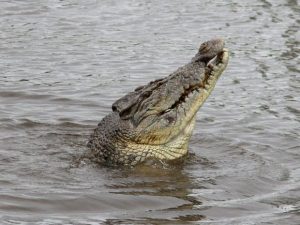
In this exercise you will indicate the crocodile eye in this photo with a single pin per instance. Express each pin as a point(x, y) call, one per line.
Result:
point(170, 119)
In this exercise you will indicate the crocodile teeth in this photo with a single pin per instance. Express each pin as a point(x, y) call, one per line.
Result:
point(212, 60)
point(168, 110)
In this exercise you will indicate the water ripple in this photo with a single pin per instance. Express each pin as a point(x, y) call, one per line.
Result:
point(63, 63)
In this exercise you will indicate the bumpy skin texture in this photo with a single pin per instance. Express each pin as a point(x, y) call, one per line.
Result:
point(156, 121)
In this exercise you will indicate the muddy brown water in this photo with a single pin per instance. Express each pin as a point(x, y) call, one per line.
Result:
point(63, 63)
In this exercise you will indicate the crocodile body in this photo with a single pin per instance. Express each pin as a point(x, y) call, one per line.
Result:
point(155, 121)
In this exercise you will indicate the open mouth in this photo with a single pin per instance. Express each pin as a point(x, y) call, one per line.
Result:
point(213, 70)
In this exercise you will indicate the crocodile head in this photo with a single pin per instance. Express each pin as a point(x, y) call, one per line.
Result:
point(160, 116)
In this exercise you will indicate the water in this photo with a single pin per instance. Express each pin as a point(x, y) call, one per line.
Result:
point(63, 63)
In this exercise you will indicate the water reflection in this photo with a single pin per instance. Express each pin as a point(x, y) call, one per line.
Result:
point(158, 181)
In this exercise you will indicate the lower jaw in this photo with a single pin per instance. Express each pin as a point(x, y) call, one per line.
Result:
point(179, 144)
point(175, 148)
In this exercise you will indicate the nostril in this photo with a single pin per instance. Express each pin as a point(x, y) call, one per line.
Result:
point(114, 108)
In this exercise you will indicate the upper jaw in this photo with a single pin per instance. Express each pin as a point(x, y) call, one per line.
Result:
point(214, 67)
point(142, 111)
point(208, 50)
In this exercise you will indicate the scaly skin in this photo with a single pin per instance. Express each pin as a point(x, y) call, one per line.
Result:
point(156, 121)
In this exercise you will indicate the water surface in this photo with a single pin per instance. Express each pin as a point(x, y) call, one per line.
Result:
point(63, 63)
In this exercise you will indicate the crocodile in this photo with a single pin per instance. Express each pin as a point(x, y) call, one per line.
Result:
point(156, 121)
